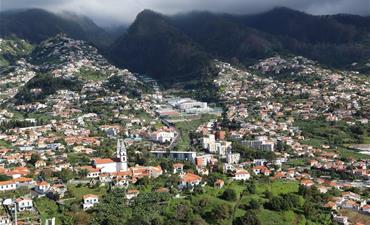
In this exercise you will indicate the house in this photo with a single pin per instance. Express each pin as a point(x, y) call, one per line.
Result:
point(219, 184)
point(352, 196)
point(261, 170)
point(189, 180)
point(241, 174)
point(323, 189)
point(9, 185)
point(307, 183)
point(350, 204)
point(341, 219)
point(24, 182)
point(178, 168)
point(91, 171)
point(132, 193)
point(366, 208)
point(89, 201)
point(120, 182)
point(42, 187)
point(24, 204)
point(330, 205)
point(18, 172)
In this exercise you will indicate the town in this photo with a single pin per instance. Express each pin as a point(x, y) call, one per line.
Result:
point(78, 133)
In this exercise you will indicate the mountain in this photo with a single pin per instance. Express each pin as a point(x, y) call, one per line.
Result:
point(337, 41)
point(36, 25)
point(304, 27)
point(224, 38)
point(152, 45)
point(175, 48)
point(116, 31)
point(180, 48)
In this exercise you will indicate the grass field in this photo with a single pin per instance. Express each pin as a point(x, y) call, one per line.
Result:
point(79, 191)
point(186, 127)
point(269, 217)
point(278, 187)
point(48, 209)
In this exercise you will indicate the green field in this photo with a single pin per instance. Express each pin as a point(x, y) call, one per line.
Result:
point(48, 209)
point(79, 191)
point(188, 126)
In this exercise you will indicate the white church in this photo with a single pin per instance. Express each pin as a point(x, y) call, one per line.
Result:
point(117, 164)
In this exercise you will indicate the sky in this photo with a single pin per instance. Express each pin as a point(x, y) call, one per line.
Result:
point(115, 12)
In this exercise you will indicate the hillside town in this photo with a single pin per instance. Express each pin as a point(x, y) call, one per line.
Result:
point(74, 128)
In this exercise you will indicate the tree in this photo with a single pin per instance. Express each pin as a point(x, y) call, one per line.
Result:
point(249, 218)
point(309, 209)
point(4, 177)
point(222, 212)
point(34, 158)
point(251, 188)
point(83, 173)
point(46, 173)
point(254, 204)
point(66, 175)
point(112, 210)
point(229, 195)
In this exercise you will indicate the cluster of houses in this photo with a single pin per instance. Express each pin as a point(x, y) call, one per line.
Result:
point(265, 122)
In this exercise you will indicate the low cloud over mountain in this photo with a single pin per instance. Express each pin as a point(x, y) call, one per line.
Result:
point(109, 12)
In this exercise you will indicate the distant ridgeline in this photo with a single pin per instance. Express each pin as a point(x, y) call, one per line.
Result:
point(180, 48)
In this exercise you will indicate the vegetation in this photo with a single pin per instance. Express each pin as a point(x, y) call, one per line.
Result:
point(233, 204)
point(11, 49)
point(48, 84)
point(172, 57)
point(36, 25)
point(336, 134)
point(186, 129)
point(89, 74)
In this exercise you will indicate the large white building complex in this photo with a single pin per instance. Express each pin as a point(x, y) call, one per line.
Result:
point(189, 105)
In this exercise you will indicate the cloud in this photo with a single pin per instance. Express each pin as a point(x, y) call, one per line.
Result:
point(124, 11)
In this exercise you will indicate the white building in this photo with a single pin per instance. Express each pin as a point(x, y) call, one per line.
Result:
point(241, 174)
point(176, 155)
point(118, 164)
point(24, 204)
point(232, 158)
point(42, 187)
point(89, 201)
point(8, 185)
point(162, 136)
point(260, 143)
point(189, 180)
point(216, 147)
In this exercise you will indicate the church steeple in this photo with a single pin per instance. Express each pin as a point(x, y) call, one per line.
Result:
point(121, 151)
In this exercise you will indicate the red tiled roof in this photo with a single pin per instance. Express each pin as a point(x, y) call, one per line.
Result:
point(190, 177)
point(103, 161)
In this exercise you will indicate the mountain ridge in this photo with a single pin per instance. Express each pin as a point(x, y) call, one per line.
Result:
point(36, 25)
point(180, 47)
